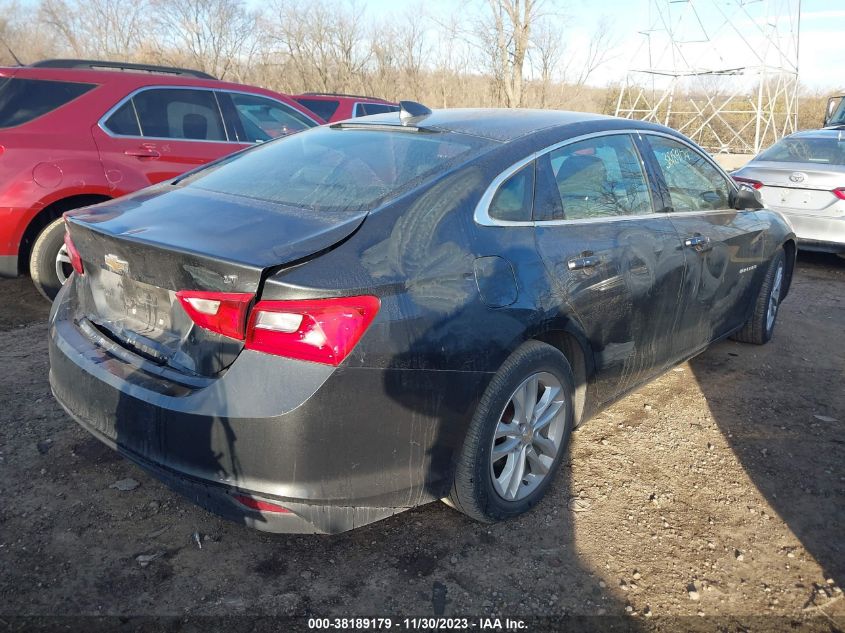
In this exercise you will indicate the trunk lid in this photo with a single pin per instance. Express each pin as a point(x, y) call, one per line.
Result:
point(798, 186)
point(138, 251)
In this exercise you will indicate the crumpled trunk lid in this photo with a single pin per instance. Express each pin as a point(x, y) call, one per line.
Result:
point(138, 251)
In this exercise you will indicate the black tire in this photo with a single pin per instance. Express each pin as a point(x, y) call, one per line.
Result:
point(473, 491)
point(42, 259)
point(758, 329)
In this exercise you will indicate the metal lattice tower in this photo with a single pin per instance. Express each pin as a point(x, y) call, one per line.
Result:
point(723, 72)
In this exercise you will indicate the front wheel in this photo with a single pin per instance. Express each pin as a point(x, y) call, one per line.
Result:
point(759, 328)
point(49, 263)
point(518, 436)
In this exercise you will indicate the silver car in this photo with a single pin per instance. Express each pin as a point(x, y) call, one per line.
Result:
point(803, 177)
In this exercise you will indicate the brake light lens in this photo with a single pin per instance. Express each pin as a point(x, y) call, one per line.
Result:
point(261, 506)
point(756, 184)
point(221, 312)
point(75, 257)
point(839, 193)
point(318, 330)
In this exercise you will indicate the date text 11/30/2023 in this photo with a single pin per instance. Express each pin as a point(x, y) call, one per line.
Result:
point(415, 624)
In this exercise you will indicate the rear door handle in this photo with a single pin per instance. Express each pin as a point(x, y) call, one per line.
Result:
point(698, 242)
point(581, 263)
point(143, 152)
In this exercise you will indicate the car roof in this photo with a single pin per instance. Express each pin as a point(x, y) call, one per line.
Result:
point(129, 81)
point(122, 77)
point(501, 124)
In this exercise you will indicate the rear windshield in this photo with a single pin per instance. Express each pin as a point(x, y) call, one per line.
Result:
point(22, 100)
point(824, 151)
point(334, 169)
point(324, 108)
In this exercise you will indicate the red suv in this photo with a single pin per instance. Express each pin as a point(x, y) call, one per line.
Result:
point(333, 107)
point(77, 132)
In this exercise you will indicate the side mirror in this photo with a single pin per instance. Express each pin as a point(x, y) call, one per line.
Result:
point(746, 198)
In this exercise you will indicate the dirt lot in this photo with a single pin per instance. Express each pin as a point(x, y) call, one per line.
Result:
point(718, 490)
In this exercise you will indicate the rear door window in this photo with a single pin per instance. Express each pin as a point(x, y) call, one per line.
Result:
point(22, 100)
point(514, 199)
point(124, 121)
point(694, 183)
point(262, 119)
point(192, 115)
point(323, 108)
point(364, 109)
point(600, 177)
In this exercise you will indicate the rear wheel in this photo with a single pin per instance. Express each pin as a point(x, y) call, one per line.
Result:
point(517, 437)
point(759, 328)
point(49, 263)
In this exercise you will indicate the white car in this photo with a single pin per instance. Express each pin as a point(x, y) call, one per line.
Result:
point(803, 177)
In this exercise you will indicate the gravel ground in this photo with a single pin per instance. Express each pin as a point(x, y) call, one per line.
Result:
point(716, 490)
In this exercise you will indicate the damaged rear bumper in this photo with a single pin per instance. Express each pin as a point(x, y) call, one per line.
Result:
point(302, 518)
point(337, 447)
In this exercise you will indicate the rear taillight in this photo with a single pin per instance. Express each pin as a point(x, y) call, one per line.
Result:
point(75, 258)
point(221, 312)
point(261, 506)
point(756, 184)
point(839, 193)
point(318, 330)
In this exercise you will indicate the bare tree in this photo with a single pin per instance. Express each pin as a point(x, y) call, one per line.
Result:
point(505, 34)
point(324, 42)
point(598, 51)
point(577, 67)
point(514, 54)
point(385, 74)
point(548, 48)
point(414, 50)
point(301, 38)
point(452, 62)
point(9, 33)
point(216, 36)
point(350, 50)
point(98, 28)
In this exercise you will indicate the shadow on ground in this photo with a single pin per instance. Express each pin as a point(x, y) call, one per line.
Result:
point(787, 430)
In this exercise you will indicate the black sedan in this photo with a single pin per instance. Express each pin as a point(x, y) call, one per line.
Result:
point(339, 325)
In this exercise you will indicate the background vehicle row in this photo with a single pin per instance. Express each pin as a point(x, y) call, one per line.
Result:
point(77, 132)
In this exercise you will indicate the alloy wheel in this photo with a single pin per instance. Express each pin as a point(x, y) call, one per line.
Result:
point(63, 266)
point(528, 436)
point(774, 299)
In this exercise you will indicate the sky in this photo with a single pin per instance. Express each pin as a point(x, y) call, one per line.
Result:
point(821, 33)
